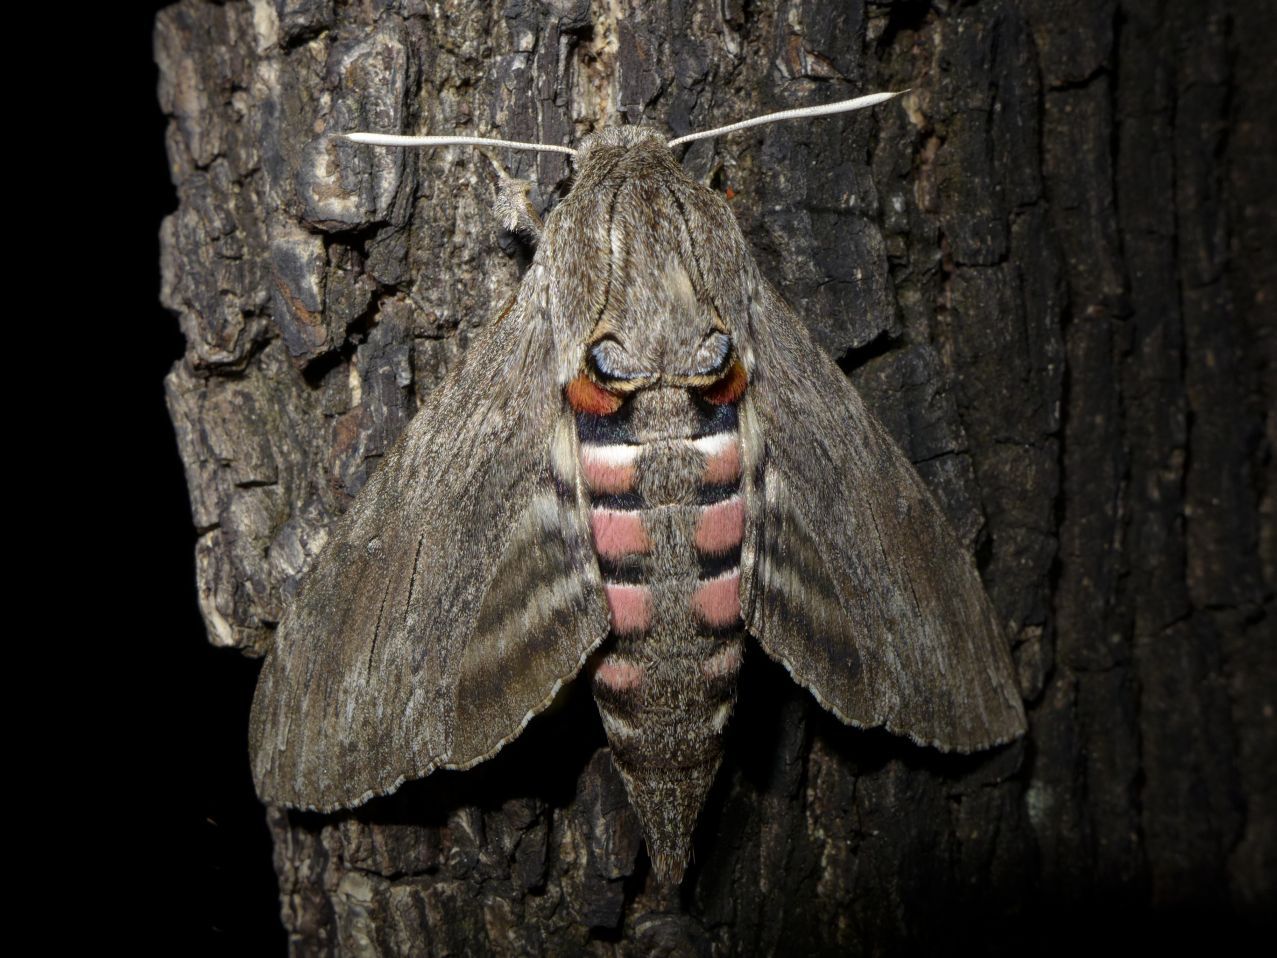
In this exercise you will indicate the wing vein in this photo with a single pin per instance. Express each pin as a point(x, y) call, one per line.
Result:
point(412, 581)
point(376, 632)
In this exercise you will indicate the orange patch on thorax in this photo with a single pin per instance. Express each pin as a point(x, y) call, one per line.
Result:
point(730, 388)
point(585, 395)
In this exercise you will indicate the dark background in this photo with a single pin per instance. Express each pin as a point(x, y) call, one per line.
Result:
point(207, 867)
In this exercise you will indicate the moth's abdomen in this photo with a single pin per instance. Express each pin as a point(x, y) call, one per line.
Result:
point(662, 470)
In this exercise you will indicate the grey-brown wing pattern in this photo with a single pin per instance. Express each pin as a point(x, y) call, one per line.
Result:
point(854, 579)
point(451, 601)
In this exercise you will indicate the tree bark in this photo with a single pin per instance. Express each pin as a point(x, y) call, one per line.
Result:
point(1047, 269)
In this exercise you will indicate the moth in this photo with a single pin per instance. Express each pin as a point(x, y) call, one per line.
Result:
point(643, 460)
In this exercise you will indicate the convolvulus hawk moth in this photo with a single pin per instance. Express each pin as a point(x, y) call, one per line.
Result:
point(644, 458)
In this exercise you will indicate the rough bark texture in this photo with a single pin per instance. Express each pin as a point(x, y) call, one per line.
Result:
point(1048, 272)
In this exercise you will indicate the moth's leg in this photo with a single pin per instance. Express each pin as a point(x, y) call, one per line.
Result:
point(514, 208)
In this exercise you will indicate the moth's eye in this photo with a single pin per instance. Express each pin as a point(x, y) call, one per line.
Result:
point(609, 362)
point(711, 356)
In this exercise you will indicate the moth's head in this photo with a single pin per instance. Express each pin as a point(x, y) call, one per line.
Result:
point(640, 147)
point(648, 272)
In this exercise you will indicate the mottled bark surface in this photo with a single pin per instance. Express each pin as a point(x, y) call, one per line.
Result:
point(1047, 269)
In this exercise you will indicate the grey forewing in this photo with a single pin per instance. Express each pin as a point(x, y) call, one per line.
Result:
point(859, 585)
point(410, 603)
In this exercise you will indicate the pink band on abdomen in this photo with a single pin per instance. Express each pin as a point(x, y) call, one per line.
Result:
point(724, 468)
point(722, 459)
point(608, 470)
point(631, 607)
point(724, 663)
point(717, 602)
point(618, 534)
point(619, 674)
point(721, 527)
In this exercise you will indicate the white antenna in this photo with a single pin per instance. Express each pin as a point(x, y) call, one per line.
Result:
point(842, 106)
point(386, 139)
